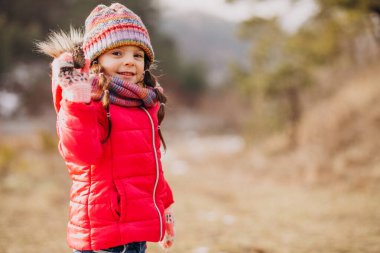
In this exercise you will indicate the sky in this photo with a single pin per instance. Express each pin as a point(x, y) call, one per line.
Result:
point(291, 15)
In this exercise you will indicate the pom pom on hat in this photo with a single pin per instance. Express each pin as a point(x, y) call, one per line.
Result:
point(114, 26)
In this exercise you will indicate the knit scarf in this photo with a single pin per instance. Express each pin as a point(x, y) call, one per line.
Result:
point(126, 94)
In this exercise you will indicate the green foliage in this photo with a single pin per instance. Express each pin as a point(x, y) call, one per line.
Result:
point(20, 26)
point(266, 54)
point(259, 27)
point(194, 82)
point(283, 64)
point(315, 45)
point(287, 77)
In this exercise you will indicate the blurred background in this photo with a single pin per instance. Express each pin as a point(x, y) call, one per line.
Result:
point(272, 124)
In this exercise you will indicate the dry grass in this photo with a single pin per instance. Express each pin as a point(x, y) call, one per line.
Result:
point(222, 204)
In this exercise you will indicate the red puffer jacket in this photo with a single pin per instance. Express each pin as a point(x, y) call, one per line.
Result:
point(119, 192)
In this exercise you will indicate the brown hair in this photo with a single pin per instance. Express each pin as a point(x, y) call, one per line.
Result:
point(149, 80)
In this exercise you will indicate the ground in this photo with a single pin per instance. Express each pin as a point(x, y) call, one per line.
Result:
point(224, 204)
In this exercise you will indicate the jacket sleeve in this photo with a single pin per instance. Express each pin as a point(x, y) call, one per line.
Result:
point(80, 131)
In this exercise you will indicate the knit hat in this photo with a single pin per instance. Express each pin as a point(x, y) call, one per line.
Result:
point(112, 27)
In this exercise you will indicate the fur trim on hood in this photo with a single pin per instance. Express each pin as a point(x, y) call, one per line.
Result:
point(60, 42)
point(57, 44)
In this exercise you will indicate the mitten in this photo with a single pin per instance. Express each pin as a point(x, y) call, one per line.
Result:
point(75, 83)
point(168, 240)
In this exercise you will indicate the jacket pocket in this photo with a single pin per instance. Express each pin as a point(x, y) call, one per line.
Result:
point(115, 206)
point(120, 207)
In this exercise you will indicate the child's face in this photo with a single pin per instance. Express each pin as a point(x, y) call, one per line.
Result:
point(126, 62)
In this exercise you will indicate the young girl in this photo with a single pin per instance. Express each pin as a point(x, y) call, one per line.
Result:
point(109, 109)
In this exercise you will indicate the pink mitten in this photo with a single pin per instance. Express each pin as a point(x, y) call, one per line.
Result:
point(75, 83)
point(168, 240)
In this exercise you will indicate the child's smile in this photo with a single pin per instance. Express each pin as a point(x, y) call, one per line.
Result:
point(126, 62)
point(127, 73)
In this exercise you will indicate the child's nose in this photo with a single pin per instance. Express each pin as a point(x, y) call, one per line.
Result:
point(128, 60)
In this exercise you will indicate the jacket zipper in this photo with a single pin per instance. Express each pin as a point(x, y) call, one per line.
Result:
point(157, 170)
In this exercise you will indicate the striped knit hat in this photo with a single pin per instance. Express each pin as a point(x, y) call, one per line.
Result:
point(114, 26)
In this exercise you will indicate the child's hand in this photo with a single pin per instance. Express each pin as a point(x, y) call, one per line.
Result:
point(75, 83)
point(168, 240)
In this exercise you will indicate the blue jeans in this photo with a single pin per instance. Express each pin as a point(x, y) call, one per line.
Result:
point(133, 247)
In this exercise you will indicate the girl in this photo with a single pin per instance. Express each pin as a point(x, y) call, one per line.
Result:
point(109, 109)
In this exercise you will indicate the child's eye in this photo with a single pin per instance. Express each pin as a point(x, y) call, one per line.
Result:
point(139, 55)
point(116, 53)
